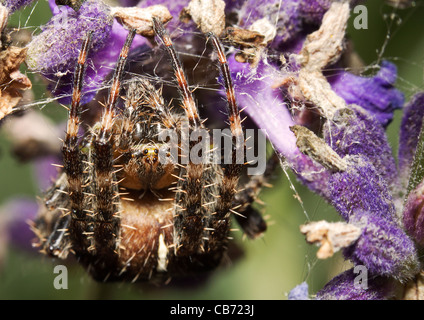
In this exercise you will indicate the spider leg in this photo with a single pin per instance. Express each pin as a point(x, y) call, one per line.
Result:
point(106, 192)
point(73, 161)
point(189, 221)
point(249, 219)
point(188, 103)
point(53, 221)
point(228, 186)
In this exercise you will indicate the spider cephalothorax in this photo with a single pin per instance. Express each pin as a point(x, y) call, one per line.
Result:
point(129, 208)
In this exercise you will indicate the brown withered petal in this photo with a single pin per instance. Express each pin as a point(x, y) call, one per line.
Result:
point(209, 15)
point(321, 48)
point(330, 236)
point(141, 18)
point(11, 79)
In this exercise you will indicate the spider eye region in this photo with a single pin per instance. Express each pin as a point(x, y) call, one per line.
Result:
point(147, 169)
point(150, 154)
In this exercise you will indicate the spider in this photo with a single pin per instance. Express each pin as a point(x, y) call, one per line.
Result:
point(122, 207)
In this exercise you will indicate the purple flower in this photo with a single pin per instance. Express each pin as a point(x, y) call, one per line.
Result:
point(383, 248)
point(255, 91)
point(375, 94)
point(366, 197)
point(346, 286)
point(285, 13)
point(290, 18)
point(361, 196)
point(265, 105)
point(128, 3)
point(314, 10)
point(299, 292)
point(55, 49)
point(54, 52)
point(360, 188)
point(356, 131)
point(13, 5)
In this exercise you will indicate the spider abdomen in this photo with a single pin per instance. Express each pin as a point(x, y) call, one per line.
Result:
point(147, 250)
point(146, 237)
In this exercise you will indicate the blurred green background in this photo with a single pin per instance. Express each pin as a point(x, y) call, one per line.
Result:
point(271, 266)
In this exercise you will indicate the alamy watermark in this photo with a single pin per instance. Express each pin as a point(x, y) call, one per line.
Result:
point(360, 20)
point(361, 280)
point(60, 282)
point(217, 146)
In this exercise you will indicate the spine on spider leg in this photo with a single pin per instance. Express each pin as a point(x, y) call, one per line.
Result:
point(107, 221)
point(73, 159)
point(229, 184)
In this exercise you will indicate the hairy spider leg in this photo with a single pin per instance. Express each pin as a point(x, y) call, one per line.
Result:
point(191, 196)
point(57, 244)
point(73, 161)
point(106, 190)
point(188, 103)
point(248, 218)
point(228, 186)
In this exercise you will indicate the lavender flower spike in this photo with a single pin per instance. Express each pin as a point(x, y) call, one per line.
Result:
point(383, 247)
point(13, 5)
point(350, 285)
point(264, 103)
point(361, 196)
point(355, 131)
point(54, 51)
point(64, 33)
point(314, 10)
point(283, 15)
